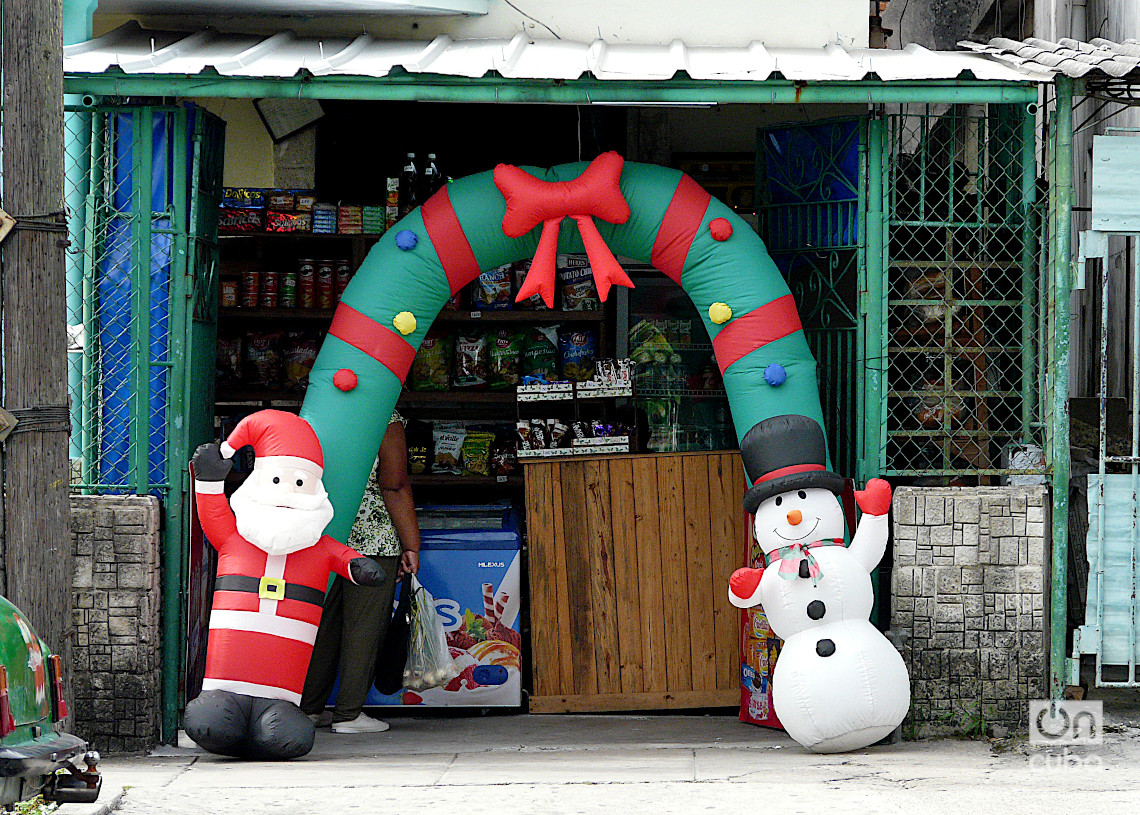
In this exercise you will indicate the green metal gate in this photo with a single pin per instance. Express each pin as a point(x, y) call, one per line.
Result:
point(144, 183)
point(957, 310)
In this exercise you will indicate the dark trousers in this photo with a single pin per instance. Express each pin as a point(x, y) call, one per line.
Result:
point(352, 625)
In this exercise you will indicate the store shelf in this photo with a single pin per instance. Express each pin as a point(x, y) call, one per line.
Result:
point(257, 393)
point(435, 397)
point(450, 480)
point(260, 313)
point(278, 236)
point(716, 393)
point(541, 316)
point(566, 391)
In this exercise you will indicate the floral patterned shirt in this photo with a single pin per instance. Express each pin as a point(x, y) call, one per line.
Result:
point(373, 532)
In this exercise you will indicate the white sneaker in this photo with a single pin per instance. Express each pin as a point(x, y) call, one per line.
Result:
point(322, 719)
point(361, 724)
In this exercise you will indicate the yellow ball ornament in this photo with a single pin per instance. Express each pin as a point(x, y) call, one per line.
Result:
point(720, 313)
point(405, 322)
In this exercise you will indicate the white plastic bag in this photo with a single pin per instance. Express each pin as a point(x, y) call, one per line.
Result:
point(429, 662)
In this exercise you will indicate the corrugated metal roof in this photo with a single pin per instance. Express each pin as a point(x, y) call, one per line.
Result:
point(1098, 57)
point(134, 49)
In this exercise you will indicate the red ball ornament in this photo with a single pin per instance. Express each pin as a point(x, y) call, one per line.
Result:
point(345, 379)
point(721, 229)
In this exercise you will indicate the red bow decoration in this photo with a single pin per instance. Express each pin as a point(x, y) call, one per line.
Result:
point(593, 194)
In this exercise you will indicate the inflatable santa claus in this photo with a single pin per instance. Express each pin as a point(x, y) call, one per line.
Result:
point(273, 568)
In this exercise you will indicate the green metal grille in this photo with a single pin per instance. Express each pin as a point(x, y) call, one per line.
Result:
point(809, 182)
point(960, 326)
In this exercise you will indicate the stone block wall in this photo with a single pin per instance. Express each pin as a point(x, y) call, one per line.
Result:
point(116, 676)
point(969, 589)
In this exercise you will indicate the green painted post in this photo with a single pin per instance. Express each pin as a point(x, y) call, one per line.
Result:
point(77, 28)
point(874, 331)
point(861, 305)
point(1062, 284)
point(176, 423)
point(143, 121)
point(1028, 277)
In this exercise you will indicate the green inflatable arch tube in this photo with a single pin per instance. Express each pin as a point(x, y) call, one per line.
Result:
point(675, 225)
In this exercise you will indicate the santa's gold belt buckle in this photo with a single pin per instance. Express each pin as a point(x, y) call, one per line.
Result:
point(271, 588)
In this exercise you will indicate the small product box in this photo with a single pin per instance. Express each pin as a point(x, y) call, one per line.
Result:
point(240, 220)
point(243, 197)
point(290, 221)
point(349, 220)
point(324, 219)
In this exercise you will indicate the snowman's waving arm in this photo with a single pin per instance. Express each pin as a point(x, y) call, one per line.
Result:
point(870, 540)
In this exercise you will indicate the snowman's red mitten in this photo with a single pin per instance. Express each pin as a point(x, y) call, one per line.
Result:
point(875, 498)
point(743, 582)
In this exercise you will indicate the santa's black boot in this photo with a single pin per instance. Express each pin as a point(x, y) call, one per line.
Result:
point(218, 721)
point(278, 730)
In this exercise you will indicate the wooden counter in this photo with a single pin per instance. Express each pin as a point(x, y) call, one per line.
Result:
point(630, 557)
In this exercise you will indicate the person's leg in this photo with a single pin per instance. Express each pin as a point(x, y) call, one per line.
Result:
point(326, 651)
point(367, 610)
point(218, 721)
point(278, 731)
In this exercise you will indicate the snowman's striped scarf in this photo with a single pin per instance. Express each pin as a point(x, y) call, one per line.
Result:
point(790, 557)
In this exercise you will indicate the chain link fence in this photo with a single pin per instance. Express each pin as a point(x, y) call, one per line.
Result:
point(128, 176)
point(962, 293)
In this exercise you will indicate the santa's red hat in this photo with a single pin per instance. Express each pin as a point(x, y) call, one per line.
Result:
point(279, 439)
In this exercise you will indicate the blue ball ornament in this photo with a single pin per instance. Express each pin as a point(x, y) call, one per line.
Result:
point(775, 375)
point(406, 239)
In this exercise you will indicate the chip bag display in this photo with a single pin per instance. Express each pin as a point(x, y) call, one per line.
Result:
point(300, 352)
point(448, 449)
point(492, 290)
point(477, 452)
point(471, 361)
point(577, 350)
point(505, 351)
point(431, 369)
point(576, 279)
point(540, 352)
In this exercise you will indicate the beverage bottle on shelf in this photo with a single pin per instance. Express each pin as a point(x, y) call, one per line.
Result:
point(676, 381)
point(409, 194)
point(432, 179)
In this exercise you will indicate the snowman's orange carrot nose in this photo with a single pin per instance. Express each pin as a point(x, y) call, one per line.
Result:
point(795, 516)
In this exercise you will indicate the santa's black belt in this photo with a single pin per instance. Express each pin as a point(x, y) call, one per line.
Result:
point(270, 588)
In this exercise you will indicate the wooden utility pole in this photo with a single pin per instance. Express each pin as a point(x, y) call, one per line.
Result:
point(37, 555)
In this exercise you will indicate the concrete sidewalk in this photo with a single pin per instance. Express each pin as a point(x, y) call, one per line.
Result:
point(588, 764)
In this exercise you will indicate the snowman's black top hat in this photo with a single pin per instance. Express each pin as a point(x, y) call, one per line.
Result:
point(785, 453)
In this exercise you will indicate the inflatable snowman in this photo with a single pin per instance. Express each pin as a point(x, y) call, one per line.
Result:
point(838, 684)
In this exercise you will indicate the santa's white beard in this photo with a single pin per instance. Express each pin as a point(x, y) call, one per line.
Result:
point(280, 530)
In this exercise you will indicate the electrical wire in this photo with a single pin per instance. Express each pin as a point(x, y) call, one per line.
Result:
point(533, 19)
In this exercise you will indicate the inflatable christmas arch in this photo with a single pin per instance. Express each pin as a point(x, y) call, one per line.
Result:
point(650, 213)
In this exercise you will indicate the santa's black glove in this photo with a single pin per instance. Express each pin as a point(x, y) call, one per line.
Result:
point(209, 464)
point(365, 571)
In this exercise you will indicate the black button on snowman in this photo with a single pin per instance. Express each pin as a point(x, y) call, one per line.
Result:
point(838, 683)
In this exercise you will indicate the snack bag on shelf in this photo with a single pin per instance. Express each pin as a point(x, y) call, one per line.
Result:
point(577, 350)
point(505, 355)
point(300, 352)
point(430, 664)
point(448, 448)
point(471, 361)
point(420, 446)
point(492, 290)
point(431, 369)
point(263, 358)
point(477, 453)
point(540, 352)
point(576, 280)
point(229, 359)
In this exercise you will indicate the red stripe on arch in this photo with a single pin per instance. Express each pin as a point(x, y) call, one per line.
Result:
point(757, 328)
point(678, 228)
point(382, 344)
point(451, 244)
